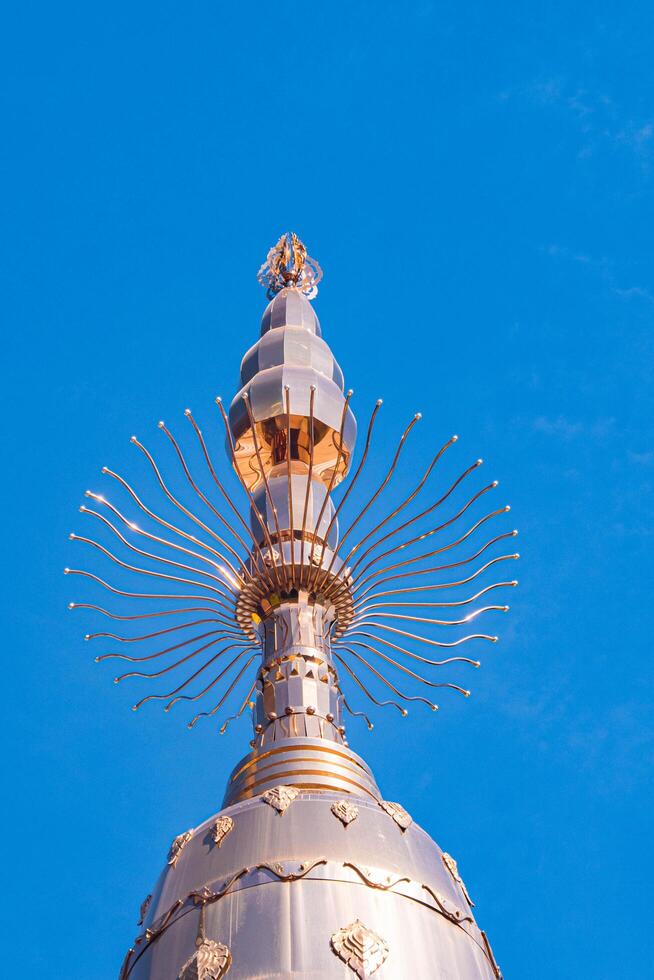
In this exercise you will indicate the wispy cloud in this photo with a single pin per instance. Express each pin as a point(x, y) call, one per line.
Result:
point(567, 429)
point(599, 118)
point(602, 267)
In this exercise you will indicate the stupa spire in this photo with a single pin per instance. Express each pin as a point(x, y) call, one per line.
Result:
point(299, 607)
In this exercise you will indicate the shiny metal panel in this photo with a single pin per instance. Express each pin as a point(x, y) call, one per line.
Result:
point(272, 869)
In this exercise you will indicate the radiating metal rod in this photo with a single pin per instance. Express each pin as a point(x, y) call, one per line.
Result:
point(246, 400)
point(146, 571)
point(150, 636)
point(408, 653)
point(378, 491)
point(432, 605)
point(160, 520)
point(250, 496)
point(216, 480)
point(418, 677)
point(287, 400)
point(219, 634)
point(312, 439)
point(358, 620)
point(218, 677)
point(146, 595)
point(441, 585)
point(429, 554)
point(154, 557)
point(202, 496)
point(225, 695)
point(397, 510)
point(312, 578)
point(355, 714)
point(437, 568)
point(176, 503)
point(384, 680)
point(246, 701)
point(151, 615)
point(420, 537)
point(373, 624)
point(381, 704)
point(162, 697)
point(155, 537)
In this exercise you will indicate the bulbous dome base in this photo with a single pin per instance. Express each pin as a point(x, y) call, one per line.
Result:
point(312, 884)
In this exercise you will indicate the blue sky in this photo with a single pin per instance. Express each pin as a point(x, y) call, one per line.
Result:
point(477, 184)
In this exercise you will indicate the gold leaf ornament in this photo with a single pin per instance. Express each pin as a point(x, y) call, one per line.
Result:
point(360, 948)
point(280, 798)
point(346, 812)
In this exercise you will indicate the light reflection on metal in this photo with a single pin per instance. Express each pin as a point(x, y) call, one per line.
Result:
point(252, 561)
point(360, 948)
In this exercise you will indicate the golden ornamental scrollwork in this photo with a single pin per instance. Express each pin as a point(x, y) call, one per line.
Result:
point(451, 866)
point(360, 948)
point(292, 871)
point(284, 873)
point(220, 829)
point(398, 813)
point(345, 811)
point(178, 846)
point(280, 798)
point(288, 264)
point(375, 879)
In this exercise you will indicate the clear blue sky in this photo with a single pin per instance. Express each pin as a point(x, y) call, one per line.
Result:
point(477, 184)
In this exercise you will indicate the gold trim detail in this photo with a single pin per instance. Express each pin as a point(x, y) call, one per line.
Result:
point(398, 813)
point(346, 812)
point(291, 871)
point(385, 883)
point(451, 866)
point(360, 948)
point(220, 829)
point(280, 798)
point(301, 748)
point(178, 846)
point(210, 961)
point(143, 910)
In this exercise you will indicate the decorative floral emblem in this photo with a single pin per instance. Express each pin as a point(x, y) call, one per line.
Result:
point(210, 961)
point(398, 813)
point(280, 798)
point(451, 866)
point(178, 846)
point(287, 264)
point(143, 911)
point(346, 812)
point(361, 948)
point(221, 828)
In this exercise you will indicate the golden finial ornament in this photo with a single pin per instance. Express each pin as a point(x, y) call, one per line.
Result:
point(289, 264)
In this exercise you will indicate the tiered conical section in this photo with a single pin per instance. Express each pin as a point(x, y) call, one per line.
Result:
point(307, 872)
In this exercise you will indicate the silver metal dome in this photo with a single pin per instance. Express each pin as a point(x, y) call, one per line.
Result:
point(312, 884)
